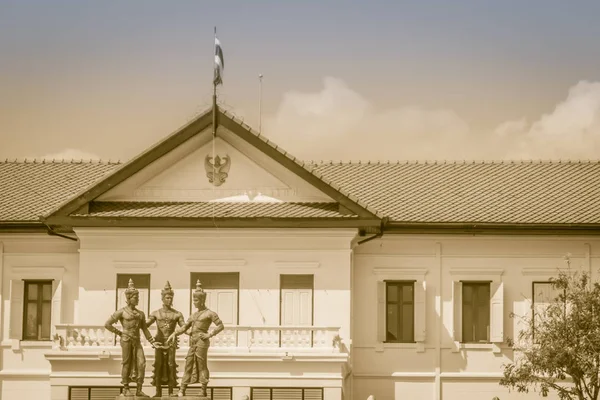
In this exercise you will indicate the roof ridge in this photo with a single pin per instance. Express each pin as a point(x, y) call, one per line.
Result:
point(442, 161)
point(29, 160)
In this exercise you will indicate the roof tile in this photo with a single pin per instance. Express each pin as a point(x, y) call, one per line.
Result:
point(30, 189)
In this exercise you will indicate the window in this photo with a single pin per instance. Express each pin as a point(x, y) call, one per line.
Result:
point(141, 282)
point(296, 300)
point(543, 295)
point(286, 394)
point(93, 393)
point(399, 301)
point(110, 392)
point(401, 310)
point(221, 293)
point(37, 310)
point(476, 312)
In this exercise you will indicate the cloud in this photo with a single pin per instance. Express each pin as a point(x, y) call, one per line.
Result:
point(570, 131)
point(338, 123)
point(71, 154)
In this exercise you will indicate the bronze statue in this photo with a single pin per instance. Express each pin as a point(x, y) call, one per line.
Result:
point(196, 369)
point(167, 319)
point(132, 320)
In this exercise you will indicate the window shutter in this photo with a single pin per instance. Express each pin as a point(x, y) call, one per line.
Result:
point(457, 317)
point(497, 312)
point(15, 330)
point(381, 312)
point(56, 304)
point(419, 312)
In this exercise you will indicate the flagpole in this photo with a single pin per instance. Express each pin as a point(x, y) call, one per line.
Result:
point(214, 107)
point(260, 78)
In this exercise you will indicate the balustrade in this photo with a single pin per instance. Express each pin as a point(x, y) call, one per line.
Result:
point(71, 336)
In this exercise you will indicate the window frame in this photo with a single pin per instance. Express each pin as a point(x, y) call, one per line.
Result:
point(400, 283)
point(39, 301)
point(489, 322)
point(270, 389)
point(282, 278)
point(533, 283)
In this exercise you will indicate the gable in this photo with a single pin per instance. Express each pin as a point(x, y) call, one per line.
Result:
point(183, 175)
point(166, 185)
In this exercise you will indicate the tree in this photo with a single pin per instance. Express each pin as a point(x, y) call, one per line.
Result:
point(561, 352)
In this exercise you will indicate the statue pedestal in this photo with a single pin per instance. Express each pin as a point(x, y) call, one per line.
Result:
point(186, 397)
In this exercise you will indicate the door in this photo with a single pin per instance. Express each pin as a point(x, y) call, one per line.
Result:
point(296, 310)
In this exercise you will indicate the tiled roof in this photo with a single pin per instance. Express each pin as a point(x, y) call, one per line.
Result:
point(30, 189)
point(427, 192)
point(524, 192)
point(214, 209)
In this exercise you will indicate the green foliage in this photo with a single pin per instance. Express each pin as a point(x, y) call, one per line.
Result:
point(562, 353)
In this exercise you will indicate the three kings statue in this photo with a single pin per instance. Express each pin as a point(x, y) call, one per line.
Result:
point(170, 324)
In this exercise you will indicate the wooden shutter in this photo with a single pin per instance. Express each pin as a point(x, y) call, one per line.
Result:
point(497, 312)
point(260, 394)
point(457, 308)
point(297, 307)
point(381, 312)
point(225, 303)
point(104, 393)
point(286, 394)
point(419, 312)
point(15, 329)
point(221, 393)
point(56, 305)
point(297, 299)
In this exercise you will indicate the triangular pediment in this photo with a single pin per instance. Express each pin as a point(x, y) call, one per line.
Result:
point(241, 174)
point(170, 184)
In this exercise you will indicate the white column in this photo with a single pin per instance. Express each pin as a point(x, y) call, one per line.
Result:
point(332, 393)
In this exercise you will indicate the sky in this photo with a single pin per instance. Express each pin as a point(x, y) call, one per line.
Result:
point(343, 80)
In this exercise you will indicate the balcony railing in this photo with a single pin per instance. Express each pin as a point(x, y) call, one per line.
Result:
point(253, 338)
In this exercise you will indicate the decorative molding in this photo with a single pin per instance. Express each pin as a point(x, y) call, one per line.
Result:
point(190, 263)
point(477, 271)
point(417, 274)
point(471, 375)
point(399, 271)
point(37, 272)
point(25, 373)
point(432, 375)
point(539, 271)
point(297, 264)
point(135, 264)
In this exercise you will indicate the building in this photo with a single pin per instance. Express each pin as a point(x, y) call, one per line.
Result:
point(335, 280)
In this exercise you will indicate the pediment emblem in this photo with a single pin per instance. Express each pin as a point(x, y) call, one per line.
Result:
point(217, 169)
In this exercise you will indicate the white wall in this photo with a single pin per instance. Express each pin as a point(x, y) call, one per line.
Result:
point(259, 256)
point(24, 371)
point(441, 367)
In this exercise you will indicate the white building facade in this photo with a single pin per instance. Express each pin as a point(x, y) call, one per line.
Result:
point(334, 281)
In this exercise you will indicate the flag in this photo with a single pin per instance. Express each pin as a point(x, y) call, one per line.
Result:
point(219, 63)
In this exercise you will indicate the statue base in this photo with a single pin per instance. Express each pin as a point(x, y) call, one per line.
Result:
point(174, 397)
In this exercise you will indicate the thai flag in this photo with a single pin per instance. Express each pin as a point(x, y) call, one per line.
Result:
point(219, 62)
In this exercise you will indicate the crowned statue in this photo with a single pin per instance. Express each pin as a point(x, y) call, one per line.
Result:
point(167, 319)
point(133, 321)
point(196, 369)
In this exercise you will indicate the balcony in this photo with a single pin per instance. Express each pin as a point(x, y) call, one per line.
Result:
point(257, 339)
